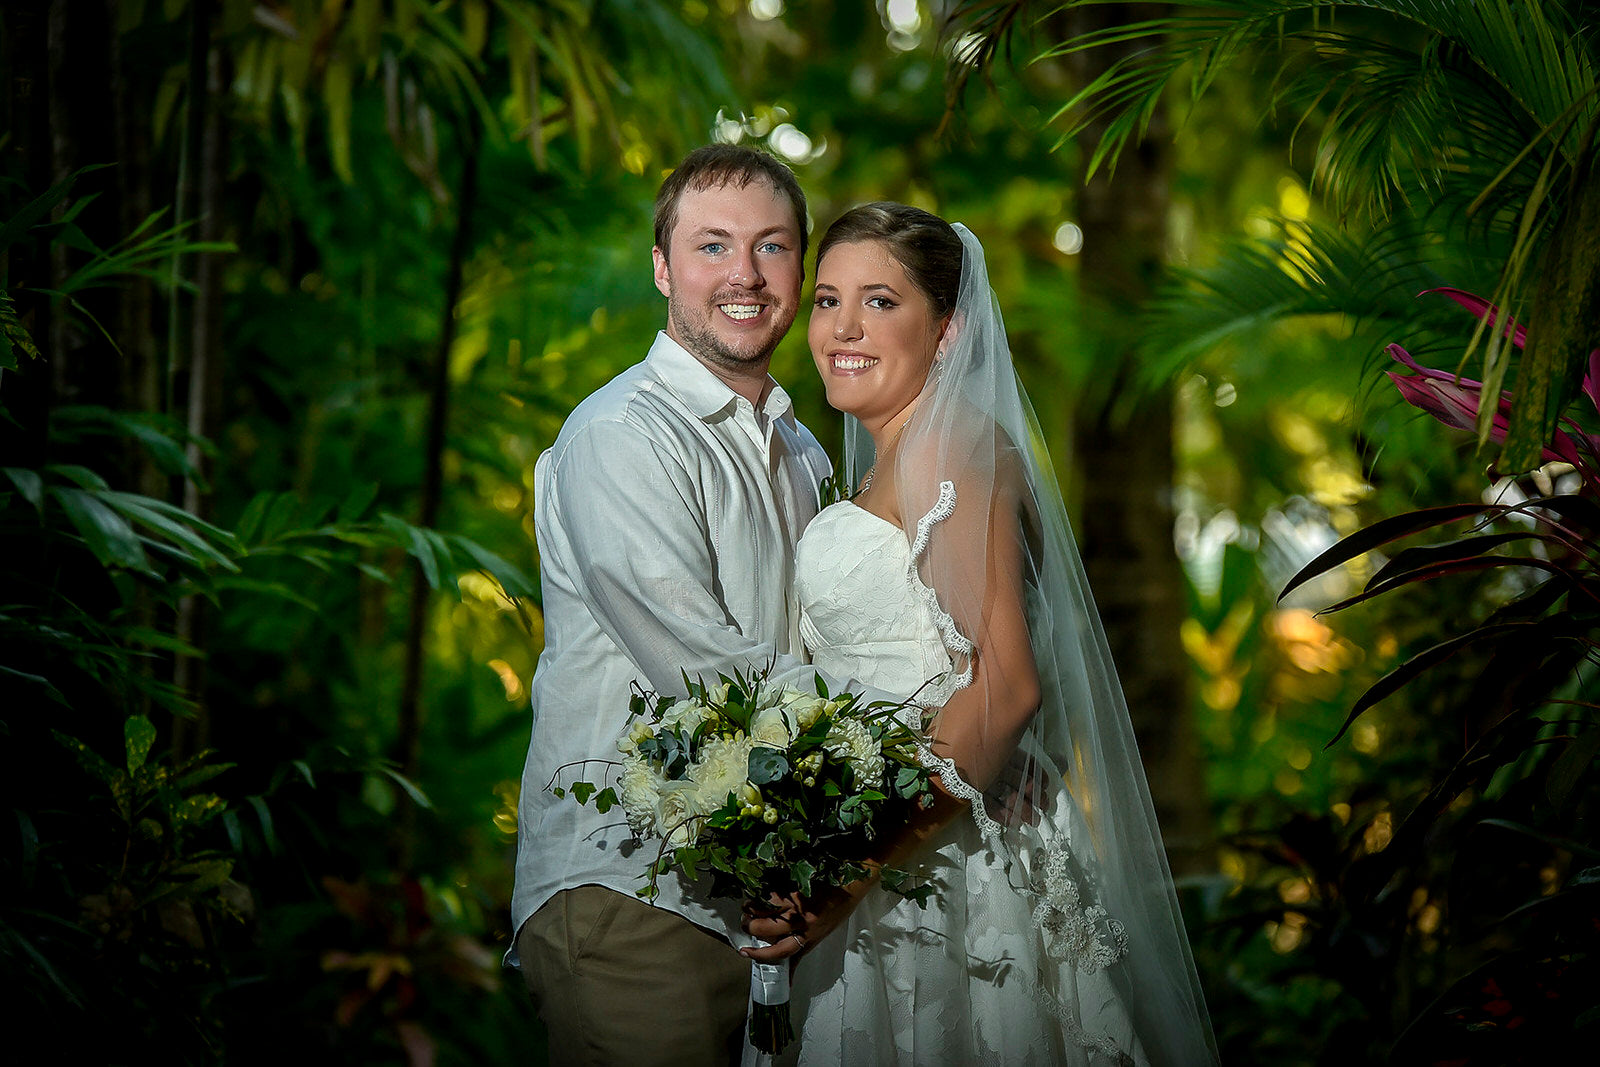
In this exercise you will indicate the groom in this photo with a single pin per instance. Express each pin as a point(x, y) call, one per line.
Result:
point(666, 512)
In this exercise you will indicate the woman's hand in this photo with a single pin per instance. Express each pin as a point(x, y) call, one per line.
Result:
point(792, 924)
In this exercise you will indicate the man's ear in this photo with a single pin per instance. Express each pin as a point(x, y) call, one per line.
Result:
point(663, 272)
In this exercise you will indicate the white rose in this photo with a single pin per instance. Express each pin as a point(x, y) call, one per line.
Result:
point(724, 766)
point(806, 710)
point(686, 715)
point(849, 740)
point(771, 727)
point(641, 791)
point(676, 818)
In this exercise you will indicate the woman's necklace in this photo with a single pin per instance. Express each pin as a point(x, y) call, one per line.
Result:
point(866, 483)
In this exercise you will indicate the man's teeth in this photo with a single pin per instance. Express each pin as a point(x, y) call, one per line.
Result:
point(740, 311)
point(853, 362)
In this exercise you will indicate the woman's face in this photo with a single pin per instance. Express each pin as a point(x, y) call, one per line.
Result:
point(873, 333)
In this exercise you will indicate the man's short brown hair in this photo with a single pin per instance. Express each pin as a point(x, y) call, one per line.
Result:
point(726, 164)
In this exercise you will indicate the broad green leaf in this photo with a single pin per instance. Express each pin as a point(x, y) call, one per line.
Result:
point(1577, 760)
point(412, 790)
point(139, 734)
point(264, 817)
point(88, 759)
point(512, 578)
point(1378, 534)
point(28, 483)
point(107, 534)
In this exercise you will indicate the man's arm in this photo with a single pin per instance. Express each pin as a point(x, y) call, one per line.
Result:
point(641, 539)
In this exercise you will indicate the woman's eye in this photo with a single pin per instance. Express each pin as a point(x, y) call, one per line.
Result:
point(826, 302)
point(881, 303)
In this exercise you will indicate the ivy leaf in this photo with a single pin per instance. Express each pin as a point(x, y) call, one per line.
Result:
point(582, 791)
point(689, 861)
point(606, 800)
point(802, 873)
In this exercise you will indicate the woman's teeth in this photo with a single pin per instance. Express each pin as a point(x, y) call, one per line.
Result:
point(853, 362)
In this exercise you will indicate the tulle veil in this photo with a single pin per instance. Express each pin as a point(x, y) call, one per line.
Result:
point(1089, 856)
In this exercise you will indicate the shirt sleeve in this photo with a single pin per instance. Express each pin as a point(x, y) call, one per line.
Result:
point(642, 545)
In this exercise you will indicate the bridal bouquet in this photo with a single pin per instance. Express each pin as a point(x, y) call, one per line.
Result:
point(764, 790)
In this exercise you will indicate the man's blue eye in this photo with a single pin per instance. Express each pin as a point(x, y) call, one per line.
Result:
point(771, 248)
point(715, 248)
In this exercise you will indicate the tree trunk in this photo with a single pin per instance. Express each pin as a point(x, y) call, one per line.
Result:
point(205, 140)
point(1124, 458)
point(409, 741)
point(27, 118)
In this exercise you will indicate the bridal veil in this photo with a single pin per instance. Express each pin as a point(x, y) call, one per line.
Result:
point(1071, 821)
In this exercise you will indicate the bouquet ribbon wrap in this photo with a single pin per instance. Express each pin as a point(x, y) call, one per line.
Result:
point(770, 1025)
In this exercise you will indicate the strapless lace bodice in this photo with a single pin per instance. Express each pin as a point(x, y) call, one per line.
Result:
point(864, 612)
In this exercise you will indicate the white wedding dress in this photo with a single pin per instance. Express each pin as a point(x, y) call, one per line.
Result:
point(953, 983)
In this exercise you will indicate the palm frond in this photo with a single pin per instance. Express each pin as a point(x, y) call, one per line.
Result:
point(1306, 270)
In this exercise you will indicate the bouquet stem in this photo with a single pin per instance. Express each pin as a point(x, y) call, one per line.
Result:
point(770, 1027)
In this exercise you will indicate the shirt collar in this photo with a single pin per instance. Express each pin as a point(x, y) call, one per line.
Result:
point(706, 394)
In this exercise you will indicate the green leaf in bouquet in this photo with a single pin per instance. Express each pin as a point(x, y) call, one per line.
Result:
point(605, 800)
point(872, 795)
point(830, 788)
point(802, 873)
point(582, 791)
point(749, 872)
point(822, 687)
point(689, 862)
point(905, 782)
point(767, 850)
point(767, 765)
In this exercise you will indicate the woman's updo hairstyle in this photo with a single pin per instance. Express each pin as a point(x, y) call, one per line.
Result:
point(922, 243)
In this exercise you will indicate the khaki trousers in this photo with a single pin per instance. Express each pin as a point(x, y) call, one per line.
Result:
point(619, 982)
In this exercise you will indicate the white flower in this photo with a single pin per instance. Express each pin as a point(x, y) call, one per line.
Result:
point(849, 740)
point(638, 733)
point(676, 817)
point(806, 710)
point(724, 766)
point(686, 715)
point(771, 727)
point(641, 791)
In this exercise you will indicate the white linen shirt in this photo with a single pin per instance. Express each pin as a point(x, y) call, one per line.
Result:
point(666, 514)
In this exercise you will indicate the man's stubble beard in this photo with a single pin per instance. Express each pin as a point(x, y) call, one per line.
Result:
point(701, 340)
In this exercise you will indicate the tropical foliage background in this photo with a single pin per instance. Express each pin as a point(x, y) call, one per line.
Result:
point(295, 292)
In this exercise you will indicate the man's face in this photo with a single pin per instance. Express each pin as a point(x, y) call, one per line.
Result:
point(731, 275)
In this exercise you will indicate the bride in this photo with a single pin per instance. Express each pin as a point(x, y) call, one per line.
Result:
point(951, 579)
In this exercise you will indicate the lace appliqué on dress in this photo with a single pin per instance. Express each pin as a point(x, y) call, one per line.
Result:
point(1084, 936)
point(959, 645)
point(1071, 931)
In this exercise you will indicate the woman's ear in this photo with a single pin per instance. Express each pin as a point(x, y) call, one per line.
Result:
point(949, 330)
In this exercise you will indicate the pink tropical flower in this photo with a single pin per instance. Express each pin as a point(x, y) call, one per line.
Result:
point(1456, 401)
